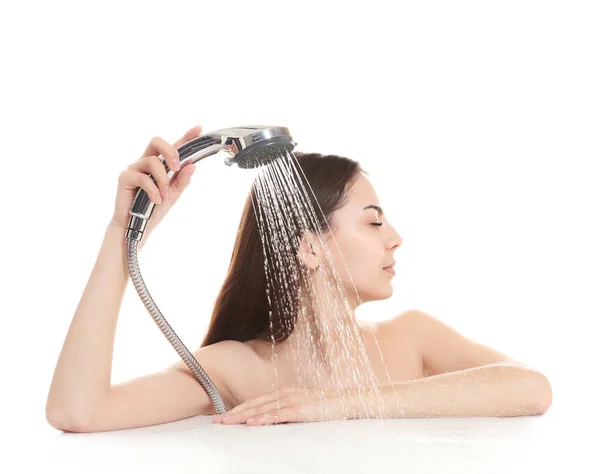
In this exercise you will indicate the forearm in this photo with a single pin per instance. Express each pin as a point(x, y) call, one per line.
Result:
point(82, 376)
point(496, 390)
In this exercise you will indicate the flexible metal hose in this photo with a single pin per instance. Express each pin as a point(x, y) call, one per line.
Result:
point(202, 377)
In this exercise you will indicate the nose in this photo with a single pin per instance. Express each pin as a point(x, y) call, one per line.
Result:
point(395, 240)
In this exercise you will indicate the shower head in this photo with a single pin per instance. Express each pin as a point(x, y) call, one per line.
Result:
point(248, 147)
point(255, 146)
point(251, 146)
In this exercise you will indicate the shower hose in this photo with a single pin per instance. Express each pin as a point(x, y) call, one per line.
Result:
point(161, 322)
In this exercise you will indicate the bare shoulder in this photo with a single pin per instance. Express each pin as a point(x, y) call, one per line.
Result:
point(242, 369)
point(398, 344)
point(242, 353)
point(228, 363)
point(445, 349)
point(407, 324)
point(231, 347)
point(409, 327)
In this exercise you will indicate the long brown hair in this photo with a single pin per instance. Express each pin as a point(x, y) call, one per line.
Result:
point(242, 310)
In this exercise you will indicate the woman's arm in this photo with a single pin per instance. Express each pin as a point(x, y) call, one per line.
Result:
point(82, 376)
point(503, 389)
point(497, 390)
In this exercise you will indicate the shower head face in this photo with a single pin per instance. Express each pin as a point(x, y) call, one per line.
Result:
point(264, 153)
point(256, 145)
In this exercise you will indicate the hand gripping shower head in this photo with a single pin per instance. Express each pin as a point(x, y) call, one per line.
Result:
point(248, 147)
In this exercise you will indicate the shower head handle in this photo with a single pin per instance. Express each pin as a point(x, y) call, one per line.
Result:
point(248, 147)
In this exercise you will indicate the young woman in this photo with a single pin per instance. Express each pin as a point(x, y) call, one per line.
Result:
point(250, 336)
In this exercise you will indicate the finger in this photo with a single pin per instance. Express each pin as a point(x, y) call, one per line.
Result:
point(254, 402)
point(277, 395)
point(159, 146)
point(189, 135)
point(131, 179)
point(153, 165)
point(254, 412)
point(274, 418)
point(182, 179)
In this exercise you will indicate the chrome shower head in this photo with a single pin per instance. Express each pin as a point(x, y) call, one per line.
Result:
point(255, 146)
point(248, 147)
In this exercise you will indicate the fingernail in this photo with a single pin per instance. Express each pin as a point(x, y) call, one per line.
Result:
point(177, 165)
point(165, 191)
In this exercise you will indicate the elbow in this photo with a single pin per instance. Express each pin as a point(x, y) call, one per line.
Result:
point(542, 394)
point(536, 388)
point(65, 422)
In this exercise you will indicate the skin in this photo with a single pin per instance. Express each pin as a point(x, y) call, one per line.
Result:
point(357, 248)
point(358, 251)
point(365, 248)
point(81, 397)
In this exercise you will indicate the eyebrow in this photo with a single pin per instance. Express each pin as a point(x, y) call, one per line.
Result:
point(373, 206)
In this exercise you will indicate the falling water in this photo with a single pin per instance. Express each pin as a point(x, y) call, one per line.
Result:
point(328, 352)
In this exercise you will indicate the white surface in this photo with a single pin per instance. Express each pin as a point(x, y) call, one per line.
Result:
point(418, 445)
point(478, 122)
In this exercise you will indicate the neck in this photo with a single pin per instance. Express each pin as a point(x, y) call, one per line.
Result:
point(326, 323)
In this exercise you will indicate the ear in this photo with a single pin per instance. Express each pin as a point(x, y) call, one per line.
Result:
point(309, 251)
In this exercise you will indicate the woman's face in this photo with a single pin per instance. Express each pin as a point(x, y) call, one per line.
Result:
point(366, 248)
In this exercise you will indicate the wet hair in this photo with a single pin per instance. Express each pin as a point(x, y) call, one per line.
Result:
point(241, 309)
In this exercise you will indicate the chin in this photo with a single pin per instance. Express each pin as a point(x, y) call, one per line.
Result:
point(386, 292)
point(386, 296)
point(382, 294)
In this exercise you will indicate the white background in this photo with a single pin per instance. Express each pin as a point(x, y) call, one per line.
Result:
point(478, 122)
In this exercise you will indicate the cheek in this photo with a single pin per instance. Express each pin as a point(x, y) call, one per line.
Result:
point(358, 254)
